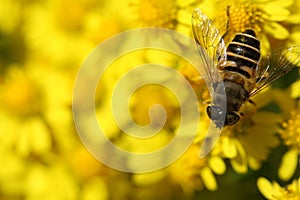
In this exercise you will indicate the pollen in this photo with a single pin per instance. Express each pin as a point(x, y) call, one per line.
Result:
point(290, 131)
point(243, 16)
point(291, 192)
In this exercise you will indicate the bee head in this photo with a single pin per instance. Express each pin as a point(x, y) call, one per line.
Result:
point(216, 114)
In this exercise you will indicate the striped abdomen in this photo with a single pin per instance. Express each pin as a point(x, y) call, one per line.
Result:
point(244, 50)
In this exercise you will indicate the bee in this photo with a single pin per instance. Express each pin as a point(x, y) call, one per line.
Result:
point(239, 65)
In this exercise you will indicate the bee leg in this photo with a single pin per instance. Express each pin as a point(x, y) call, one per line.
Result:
point(261, 78)
point(252, 102)
point(227, 23)
point(195, 79)
point(247, 117)
point(206, 102)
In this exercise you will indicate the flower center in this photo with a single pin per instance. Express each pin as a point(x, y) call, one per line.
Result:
point(243, 16)
point(157, 13)
point(290, 193)
point(291, 130)
point(19, 97)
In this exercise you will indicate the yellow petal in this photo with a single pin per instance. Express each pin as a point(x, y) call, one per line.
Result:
point(183, 3)
point(265, 187)
point(295, 19)
point(184, 16)
point(296, 90)
point(239, 163)
point(263, 98)
point(284, 13)
point(277, 190)
point(288, 164)
point(95, 189)
point(146, 179)
point(229, 149)
point(209, 179)
point(41, 141)
point(276, 30)
point(217, 165)
point(253, 163)
point(295, 38)
point(275, 13)
point(281, 3)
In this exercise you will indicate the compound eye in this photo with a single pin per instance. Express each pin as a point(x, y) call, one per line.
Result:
point(208, 111)
point(214, 112)
point(232, 118)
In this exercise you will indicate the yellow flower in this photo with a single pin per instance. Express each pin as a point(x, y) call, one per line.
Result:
point(193, 173)
point(34, 108)
point(266, 17)
point(64, 33)
point(154, 13)
point(261, 15)
point(95, 188)
point(273, 191)
point(289, 131)
point(157, 13)
point(10, 16)
point(166, 14)
point(50, 182)
point(295, 93)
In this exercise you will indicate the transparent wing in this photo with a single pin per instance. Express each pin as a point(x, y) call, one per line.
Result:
point(212, 49)
point(276, 65)
point(210, 140)
point(210, 43)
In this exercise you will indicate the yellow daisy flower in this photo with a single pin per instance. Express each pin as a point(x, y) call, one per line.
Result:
point(10, 16)
point(34, 108)
point(165, 14)
point(66, 38)
point(266, 17)
point(291, 137)
point(50, 182)
point(261, 15)
point(35, 125)
point(289, 132)
point(273, 191)
point(193, 173)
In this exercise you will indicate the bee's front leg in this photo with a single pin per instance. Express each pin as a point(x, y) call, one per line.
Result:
point(252, 102)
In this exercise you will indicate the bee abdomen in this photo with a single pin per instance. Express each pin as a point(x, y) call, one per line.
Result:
point(247, 37)
point(244, 49)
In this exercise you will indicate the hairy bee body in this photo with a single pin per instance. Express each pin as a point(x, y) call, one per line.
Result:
point(243, 72)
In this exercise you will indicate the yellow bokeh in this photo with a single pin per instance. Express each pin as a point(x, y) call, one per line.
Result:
point(43, 44)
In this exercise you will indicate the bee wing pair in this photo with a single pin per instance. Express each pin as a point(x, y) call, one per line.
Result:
point(212, 49)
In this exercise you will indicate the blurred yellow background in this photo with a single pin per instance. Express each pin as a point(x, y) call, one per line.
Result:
point(42, 46)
